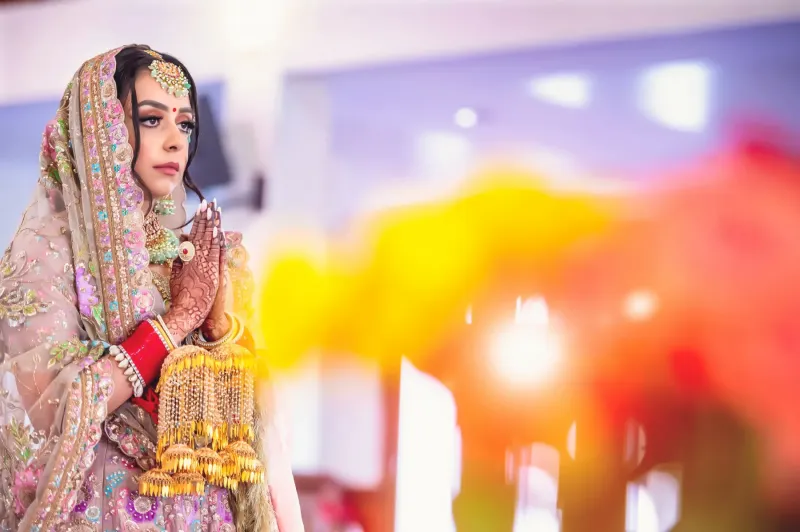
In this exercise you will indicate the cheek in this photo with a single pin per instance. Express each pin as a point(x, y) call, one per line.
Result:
point(144, 152)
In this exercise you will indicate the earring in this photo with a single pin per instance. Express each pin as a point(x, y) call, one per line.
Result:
point(164, 206)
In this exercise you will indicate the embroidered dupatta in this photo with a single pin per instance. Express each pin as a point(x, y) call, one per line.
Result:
point(75, 280)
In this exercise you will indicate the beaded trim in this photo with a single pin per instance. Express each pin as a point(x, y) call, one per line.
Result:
point(129, 369)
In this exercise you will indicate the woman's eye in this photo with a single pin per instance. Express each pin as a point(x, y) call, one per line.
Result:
point(187, 127)
point(150, 121)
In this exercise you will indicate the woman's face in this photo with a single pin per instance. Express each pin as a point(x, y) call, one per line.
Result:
point(165, 125)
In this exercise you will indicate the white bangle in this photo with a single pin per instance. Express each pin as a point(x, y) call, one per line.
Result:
point(129, 369)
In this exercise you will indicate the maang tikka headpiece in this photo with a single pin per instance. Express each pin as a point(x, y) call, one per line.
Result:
point(168, 75)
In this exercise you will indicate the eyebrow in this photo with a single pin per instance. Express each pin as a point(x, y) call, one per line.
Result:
point(159, 105)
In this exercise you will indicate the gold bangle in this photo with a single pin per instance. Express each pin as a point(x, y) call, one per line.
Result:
point(162, 335)
point(168, 334)
point(239, 333)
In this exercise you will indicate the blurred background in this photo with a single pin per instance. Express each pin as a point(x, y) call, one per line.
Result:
point(317, 111)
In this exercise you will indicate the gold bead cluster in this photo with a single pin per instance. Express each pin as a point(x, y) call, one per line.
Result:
point(205, 422)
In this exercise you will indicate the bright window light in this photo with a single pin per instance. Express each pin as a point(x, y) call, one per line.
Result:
point(676, 95)
point(428, 454)
point(533, 311)
point(640, 305)
point(566, 89)
point(536, 520)
point(442, 156)
point(526, 351)
point(524, 354)
point(466, 118)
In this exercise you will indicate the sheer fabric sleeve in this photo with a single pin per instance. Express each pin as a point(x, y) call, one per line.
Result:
point(56, 391)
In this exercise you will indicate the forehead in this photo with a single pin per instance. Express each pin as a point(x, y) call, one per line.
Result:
point(147, 88)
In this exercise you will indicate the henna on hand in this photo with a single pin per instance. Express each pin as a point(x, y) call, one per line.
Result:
point(217, 323)
point(195, 284)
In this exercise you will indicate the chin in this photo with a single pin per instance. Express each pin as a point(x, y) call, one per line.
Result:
point(160, 187)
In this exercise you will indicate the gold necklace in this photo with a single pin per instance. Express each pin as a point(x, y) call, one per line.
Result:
point(161, 283)
point(162, 244)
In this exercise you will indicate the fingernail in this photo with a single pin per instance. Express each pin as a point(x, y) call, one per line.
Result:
point(215, 202)
point(203, 205)
point(215, 232)
point(208, 214)
point(219, 209)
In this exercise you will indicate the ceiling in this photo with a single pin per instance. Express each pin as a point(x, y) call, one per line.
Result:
point(396, 122)
point(331, 34)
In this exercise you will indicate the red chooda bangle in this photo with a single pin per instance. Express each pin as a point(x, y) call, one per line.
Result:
point(146, 350)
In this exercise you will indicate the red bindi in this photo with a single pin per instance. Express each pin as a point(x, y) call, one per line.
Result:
point(173, 109)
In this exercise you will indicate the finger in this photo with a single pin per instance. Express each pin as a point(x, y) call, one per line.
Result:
point(208, 234)
point(177, 266)
point(217, 233)
point(198, 230)
point(223, 260)
point(196, 221)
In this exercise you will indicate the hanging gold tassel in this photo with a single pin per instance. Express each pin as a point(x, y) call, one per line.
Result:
point(155, 483)
point(178, 458)
point(209, 462)
point(189, 484)
point(205, 422)
point(245, 456)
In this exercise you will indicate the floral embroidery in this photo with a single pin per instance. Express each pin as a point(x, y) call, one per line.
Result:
point(66, 352)
point(132, 443)
point(113, 481)
point(93, 514)
point(24, 489)
point(85, 406)
point(87, 293)
point(87, 493)
point(17, 303)
point(21, 450)
point(141, 508)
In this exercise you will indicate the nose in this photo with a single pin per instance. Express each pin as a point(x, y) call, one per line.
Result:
point(175, 140)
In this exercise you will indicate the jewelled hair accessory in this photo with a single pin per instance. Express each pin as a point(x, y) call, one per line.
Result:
point(169, 76)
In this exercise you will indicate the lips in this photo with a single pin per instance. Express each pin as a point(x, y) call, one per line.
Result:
point(168, 168)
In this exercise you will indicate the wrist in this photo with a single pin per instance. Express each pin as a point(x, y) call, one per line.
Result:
point(215, 328)
point(175, 328)
point(141, 354)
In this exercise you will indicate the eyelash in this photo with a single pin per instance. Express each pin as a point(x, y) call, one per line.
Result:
point(188, 124)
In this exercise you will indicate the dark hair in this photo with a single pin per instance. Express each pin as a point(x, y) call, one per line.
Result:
point(130, 61)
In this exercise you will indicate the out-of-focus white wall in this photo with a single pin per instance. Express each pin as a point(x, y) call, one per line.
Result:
point(43, 43)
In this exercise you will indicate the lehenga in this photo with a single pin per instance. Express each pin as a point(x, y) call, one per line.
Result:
point(74, 281)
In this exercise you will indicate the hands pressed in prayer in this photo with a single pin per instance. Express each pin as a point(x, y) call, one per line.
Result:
point(217, 323)
point(195, 283)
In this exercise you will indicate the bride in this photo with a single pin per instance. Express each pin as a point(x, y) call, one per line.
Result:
point(99, 285)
